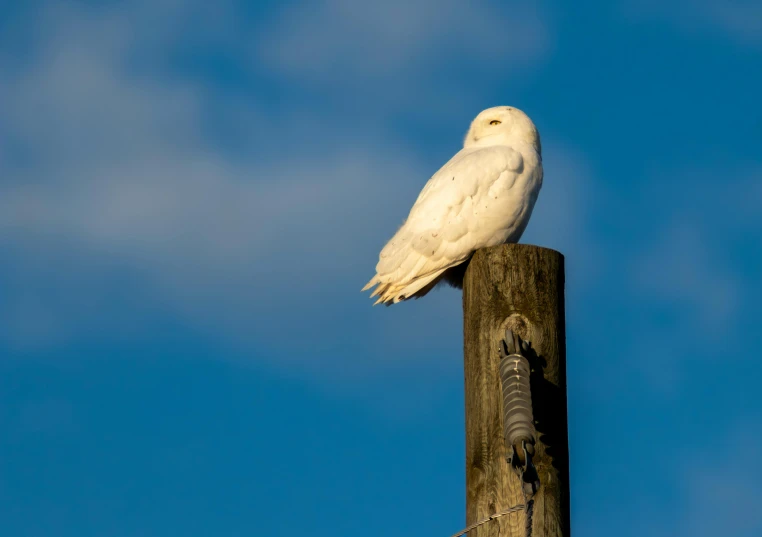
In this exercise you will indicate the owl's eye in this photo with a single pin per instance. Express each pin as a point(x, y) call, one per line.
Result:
point(494, 122)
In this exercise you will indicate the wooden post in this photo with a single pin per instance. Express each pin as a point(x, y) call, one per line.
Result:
point(520, 287)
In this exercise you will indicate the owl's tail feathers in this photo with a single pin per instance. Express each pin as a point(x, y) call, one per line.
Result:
point(373, 281)
point(391, 294)
point(411, 289)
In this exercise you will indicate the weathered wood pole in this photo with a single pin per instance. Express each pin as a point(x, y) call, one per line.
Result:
point(520, 287)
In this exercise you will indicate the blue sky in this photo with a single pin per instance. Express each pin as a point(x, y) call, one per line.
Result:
point(192, 196)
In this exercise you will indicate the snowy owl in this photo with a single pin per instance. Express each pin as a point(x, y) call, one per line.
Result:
point(482, 197)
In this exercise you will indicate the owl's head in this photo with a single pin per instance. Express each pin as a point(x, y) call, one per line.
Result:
point(502, 125)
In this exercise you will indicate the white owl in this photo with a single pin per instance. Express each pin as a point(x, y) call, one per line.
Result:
point(482, 197)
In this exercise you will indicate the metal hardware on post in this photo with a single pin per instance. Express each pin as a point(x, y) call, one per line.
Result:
point(518, 421)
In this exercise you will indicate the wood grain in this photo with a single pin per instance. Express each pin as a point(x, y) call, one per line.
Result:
point(520, 287)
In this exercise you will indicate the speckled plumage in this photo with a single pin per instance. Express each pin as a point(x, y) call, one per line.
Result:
point(482, 197)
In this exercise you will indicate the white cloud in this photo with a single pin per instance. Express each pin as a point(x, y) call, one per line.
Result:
point(120, 171)
point(382, 59)
point(684, 255)
point(722, 483)
point(382, 38)
point(738, 20)
point(121, 210)
point(680, 269)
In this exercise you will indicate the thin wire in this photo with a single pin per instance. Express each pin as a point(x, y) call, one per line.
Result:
point(530, 510)
point(513, 509)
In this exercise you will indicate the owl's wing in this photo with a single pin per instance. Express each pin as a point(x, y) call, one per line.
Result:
point(448, 222)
